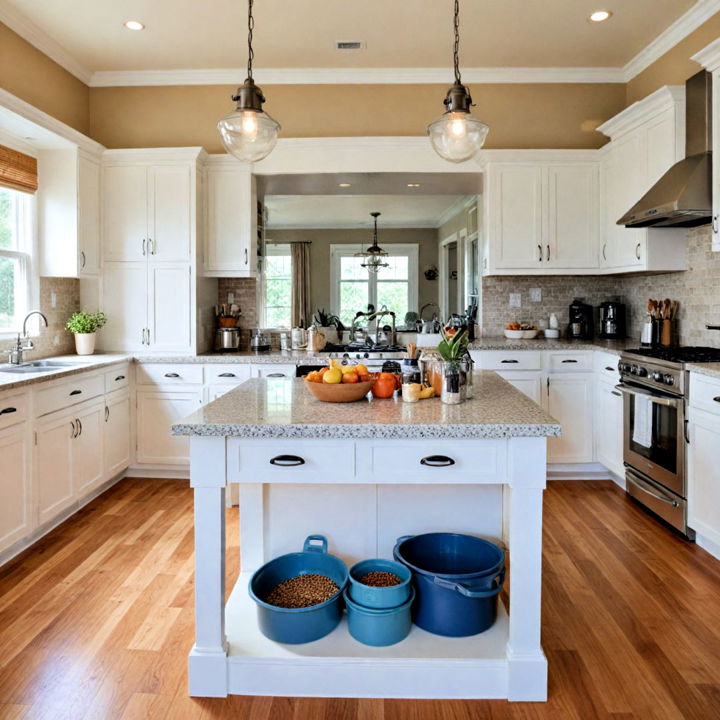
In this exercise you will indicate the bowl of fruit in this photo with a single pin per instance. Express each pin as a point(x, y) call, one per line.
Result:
point(514, 331)
point(340, 383)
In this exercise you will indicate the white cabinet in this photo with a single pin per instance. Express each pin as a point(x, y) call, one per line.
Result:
point(157, 411)
point(609, 427)
point(171, 212)
point(88, 214)
point(116, 434)
point(570, 401)
point(125, 301)
point(169, 311)
point(704, 477)
point(528, 383)
point(274, 370)
point(15, 485)
point(231, 219)
point(53, 465)
point(124, 215)
point(87, 448)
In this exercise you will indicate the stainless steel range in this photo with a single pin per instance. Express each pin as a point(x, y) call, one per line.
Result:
point(374, 357)
point(654, 383)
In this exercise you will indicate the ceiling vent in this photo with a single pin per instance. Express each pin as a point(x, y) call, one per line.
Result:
point(349, 45)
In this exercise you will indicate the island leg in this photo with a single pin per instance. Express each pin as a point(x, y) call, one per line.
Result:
point(527, 664)
point(207, 662)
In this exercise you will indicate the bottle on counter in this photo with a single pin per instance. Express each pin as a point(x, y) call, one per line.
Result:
point(411, 385)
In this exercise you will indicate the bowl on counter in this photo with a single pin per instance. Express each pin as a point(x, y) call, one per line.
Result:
point(339, 392)
point(514, 334)
point(552, 333)
point(530, 334)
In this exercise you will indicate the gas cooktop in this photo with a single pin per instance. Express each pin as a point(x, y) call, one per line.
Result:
point(362, 348)
point(680, 354)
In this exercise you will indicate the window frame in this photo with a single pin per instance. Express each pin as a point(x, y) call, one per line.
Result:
point(409, 250)
point(276, 250)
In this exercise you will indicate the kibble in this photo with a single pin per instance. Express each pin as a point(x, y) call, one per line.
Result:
point(302, 591)
point(380, 578)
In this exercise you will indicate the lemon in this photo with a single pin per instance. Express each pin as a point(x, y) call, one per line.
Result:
point(333, 376)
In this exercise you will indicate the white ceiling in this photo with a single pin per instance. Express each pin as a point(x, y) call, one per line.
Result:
point(187, 34)
point(353, 211)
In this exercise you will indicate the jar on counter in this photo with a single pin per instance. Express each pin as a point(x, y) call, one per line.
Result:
point(411, 386)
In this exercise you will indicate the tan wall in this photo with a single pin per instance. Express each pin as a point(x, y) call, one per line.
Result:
point(675, 66)
point(35, 78)
point(520, 116)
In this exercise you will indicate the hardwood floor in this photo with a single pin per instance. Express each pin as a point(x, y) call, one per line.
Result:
point(96, 620)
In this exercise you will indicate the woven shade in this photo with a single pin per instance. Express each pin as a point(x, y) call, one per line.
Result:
point(17, 170)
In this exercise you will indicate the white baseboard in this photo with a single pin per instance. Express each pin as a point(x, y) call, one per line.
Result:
point(160, 472)
point(708, 545)
point(579, 471)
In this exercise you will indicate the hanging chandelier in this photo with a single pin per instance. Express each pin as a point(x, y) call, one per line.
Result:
point(374, 256)
point(456, 135)
point(249, 133)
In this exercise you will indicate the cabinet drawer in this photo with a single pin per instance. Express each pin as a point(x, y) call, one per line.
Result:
point(13, 409)
point(227, 374)
point(271, 370)
point(510, 360)
point(287, 460)
point(705, 393)
point(606, 367)
point(69, 393)
point(118, 377)
point(169, 374)
point(570, 362)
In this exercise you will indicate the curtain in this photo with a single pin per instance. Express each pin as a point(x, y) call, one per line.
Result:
point(17, 170)
point(300, 258)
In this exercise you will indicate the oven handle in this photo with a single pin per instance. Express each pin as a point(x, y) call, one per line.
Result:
point(649, 490)
point(658, 400)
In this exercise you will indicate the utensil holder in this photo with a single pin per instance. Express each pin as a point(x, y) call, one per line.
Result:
point(666, 332)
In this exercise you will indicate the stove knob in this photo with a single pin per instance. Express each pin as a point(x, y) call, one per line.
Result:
point(624, 367)
point(669, 379)
point(658, 377)
point(345, 360)
point(641, 372)
point(366, 355)
point(634, 370)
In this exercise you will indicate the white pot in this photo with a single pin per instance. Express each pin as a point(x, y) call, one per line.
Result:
point(84, 343)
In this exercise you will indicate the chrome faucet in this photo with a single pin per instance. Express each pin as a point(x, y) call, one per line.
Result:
point(377, 315)
point(16, 353)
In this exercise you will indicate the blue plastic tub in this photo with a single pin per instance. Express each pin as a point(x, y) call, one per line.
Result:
point(376, 627)
point(379, 597)
point(457, 579)
point(299, 625)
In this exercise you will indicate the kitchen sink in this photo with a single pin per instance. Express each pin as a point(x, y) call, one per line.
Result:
point(37, 366)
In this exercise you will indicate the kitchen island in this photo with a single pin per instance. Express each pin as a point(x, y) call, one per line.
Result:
point(364, 474)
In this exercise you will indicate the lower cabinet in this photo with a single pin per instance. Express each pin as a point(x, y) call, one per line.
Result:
point(609, 427)
point(15, 508)
point(529, 384)
point(271, 370)
point(116, 434)
point(53, 465)
point(570, 401)
point(87, 456)
point(704, 476)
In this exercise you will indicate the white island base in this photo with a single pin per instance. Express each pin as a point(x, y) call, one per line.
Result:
point(362, 495)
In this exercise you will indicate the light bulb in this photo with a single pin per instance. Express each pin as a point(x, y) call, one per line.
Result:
point(249, 123)
point(458, 126)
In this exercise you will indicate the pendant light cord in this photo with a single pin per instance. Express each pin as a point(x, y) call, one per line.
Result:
point(456, 46)
point(251, 26)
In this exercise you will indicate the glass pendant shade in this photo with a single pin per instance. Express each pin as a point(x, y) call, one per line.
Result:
point(457, 136)
point(248, 134)
point(374, 256)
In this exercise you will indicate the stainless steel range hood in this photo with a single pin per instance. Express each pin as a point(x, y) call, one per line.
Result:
point(682, 197)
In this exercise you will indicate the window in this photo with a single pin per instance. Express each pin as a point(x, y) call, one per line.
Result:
point(353, 287)
point(15, 257)
point(277, 287)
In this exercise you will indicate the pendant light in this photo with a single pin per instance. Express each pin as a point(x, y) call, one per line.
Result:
point(456, 135)
point(249, 133)
point(374, 256)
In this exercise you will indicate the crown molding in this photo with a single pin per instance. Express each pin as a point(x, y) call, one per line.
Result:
point(462, 203)
point(38, 38)
point(344, 225)
point(699, 13)
point(709, 56)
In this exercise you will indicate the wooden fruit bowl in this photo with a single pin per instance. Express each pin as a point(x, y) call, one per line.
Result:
point(340, 392)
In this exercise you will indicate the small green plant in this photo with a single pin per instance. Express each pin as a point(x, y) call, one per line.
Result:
point(453, 347)
point(325, 319)
point(82, 322)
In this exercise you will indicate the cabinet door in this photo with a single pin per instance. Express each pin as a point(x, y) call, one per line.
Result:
point(54, 475)
point(88, 216)
point(609, 427)
point(527, 384)
point(125, 304)
point(156, 413)
point(87, 448)
point(125, 212)
point(716, 165)
point(170, 314)
point(572, 216)
point(704, 475)
point(570, 402)
point(274, 370)
point(15, 508)
point(230, 233)
point(171, 209)
point(517, 237)
point(116, 435)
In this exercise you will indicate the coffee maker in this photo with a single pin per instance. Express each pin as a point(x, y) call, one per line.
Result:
point(581, 322)
point(612, 321)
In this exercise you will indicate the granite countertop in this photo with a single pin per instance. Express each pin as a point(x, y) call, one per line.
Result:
point(710, 369)
point(284, 408)
point(84, 363)
point(294, 357)
point(616, 347)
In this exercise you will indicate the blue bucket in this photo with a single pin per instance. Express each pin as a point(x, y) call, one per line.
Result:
point(457, 579)
point(379, 628)
point(379, 597)
point(299, 625)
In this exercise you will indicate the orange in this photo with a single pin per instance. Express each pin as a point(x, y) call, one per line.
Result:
point(350, 377)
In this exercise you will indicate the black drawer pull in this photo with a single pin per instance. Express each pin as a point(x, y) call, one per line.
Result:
point(287, 461)
point(8, 410)
point(437, 461)
point(569, 361)
point(717, 399)
point(76, 392)
point(172, 375)
point(275, 375)
point(227, 375)
point(119, 378)
point(509, 362)
point(610, 369)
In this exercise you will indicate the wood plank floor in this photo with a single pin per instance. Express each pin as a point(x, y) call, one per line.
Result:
point(96, 620)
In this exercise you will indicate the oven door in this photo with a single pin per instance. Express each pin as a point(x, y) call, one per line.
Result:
point(654, 436)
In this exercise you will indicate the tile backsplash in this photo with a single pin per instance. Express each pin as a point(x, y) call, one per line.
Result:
point(67, 292)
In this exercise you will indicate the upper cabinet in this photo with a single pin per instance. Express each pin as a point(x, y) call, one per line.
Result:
point(646, 140)
point(230, 219)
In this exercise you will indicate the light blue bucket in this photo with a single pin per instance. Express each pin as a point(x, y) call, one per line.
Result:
point(379, 627)
point(380, 598)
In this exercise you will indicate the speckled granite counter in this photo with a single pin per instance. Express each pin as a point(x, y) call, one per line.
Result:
point(540, 344)
point(244, 356)
point(10, 380)
point(710, 369)
point(272, 408)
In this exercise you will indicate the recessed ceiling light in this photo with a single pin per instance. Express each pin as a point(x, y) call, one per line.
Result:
point(600, 15)
point(413, 184)
point(343, 184)
point(134, 25)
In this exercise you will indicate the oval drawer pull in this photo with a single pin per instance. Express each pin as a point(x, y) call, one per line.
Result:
point(8, 410)
point(172, 375)
point(610, 369)
point(510, 362)
point(437, 461)
point(275, 375)
point(119, 378)
point(569, 361)
point(717, 399)
point(76, 392)
point(616, 393)
point(227, 375)
point(287, 461)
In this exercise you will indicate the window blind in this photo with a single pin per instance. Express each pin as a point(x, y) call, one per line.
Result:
point(17, 170)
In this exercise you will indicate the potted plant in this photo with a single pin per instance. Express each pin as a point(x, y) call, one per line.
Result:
point(330, 325)
point(84, 326)
point(452, 349)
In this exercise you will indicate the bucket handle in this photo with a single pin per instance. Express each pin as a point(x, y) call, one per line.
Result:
point(467, 592)
point(309, 547)
point(403, 538)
